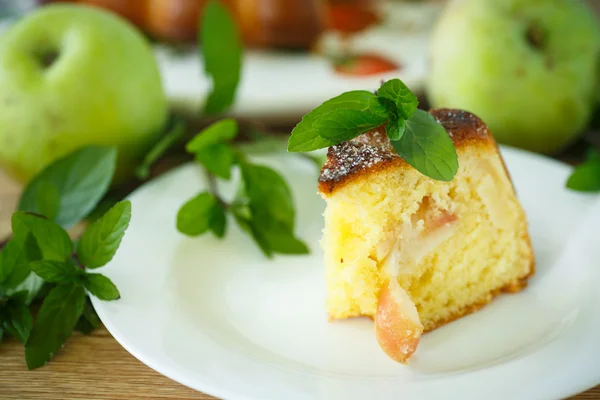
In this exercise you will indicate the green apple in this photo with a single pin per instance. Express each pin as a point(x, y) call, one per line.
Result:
point(74, 75)
point(528, 68)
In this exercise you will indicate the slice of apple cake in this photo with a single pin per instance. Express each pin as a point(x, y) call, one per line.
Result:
point(414, 253)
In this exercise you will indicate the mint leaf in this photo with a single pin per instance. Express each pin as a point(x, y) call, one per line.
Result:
point(54, 324)
point(218, 159)
point(101, 287)
point(586, 176)
point(15, 258)
point(18, 320)
point(222, 50)
point(280, 239)
point(101, 240)
point(271, 210)
point(19, 297)
point(427, 147)
point(47, 199)
point(395, 128)
point(342, 125)
point(89, 320)
point(52, 240)
point(218, 220)
point(382, 107)
point(396, 91)
point(32, 287)
point(81, 179)
point(54, 271)
point(171, 138)
point(268, 194)
point(194, 218)
point(304, 135)
point(219, 132)
point(244, 220)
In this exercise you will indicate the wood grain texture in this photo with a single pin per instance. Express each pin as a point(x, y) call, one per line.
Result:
point(90, 367)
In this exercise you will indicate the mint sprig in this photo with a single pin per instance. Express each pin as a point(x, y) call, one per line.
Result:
point(415, 135)
point(63, 306)
point(220, 44)
point(263, 207)
point(41, 253)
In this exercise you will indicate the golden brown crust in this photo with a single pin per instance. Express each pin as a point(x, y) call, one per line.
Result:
point(372, 151)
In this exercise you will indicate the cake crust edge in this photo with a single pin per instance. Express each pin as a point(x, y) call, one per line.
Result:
point(465, 129)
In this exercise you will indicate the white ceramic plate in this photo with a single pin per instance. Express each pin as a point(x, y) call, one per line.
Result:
point(220, 318)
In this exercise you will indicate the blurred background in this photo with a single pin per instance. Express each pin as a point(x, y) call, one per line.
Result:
point(529, 68)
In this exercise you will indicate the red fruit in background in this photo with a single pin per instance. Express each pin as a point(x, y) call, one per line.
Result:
point(281, 23)
point(351, 16)
point(365, 65)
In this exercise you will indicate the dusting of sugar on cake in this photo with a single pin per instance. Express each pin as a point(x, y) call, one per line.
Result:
point(360, 153)
point(349, 157)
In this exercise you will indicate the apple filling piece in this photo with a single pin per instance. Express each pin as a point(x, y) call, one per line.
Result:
point(397, 324)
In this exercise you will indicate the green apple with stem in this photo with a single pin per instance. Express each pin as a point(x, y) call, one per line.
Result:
point(74, 75)
point(528, 68)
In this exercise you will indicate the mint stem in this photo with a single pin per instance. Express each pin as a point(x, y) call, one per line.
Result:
point(212, 188)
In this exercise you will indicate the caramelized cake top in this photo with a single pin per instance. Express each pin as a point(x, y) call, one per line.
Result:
point(372, 151)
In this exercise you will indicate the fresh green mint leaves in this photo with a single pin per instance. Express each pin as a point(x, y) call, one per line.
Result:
point(41, 252)
point(200, 214)
point(57, 264)
point(403, 101)
point(71, 187)
point(586, 176)
point(417, 137)
point(263, 206)
point(426, 146)
point(101, 240)
point(54, 323)
point(221, 46)
point(306, 138)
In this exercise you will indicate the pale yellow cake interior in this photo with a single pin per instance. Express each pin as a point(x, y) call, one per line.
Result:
point(452, 245)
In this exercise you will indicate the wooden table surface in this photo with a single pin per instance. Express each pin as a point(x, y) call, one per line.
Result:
point(90, 367)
